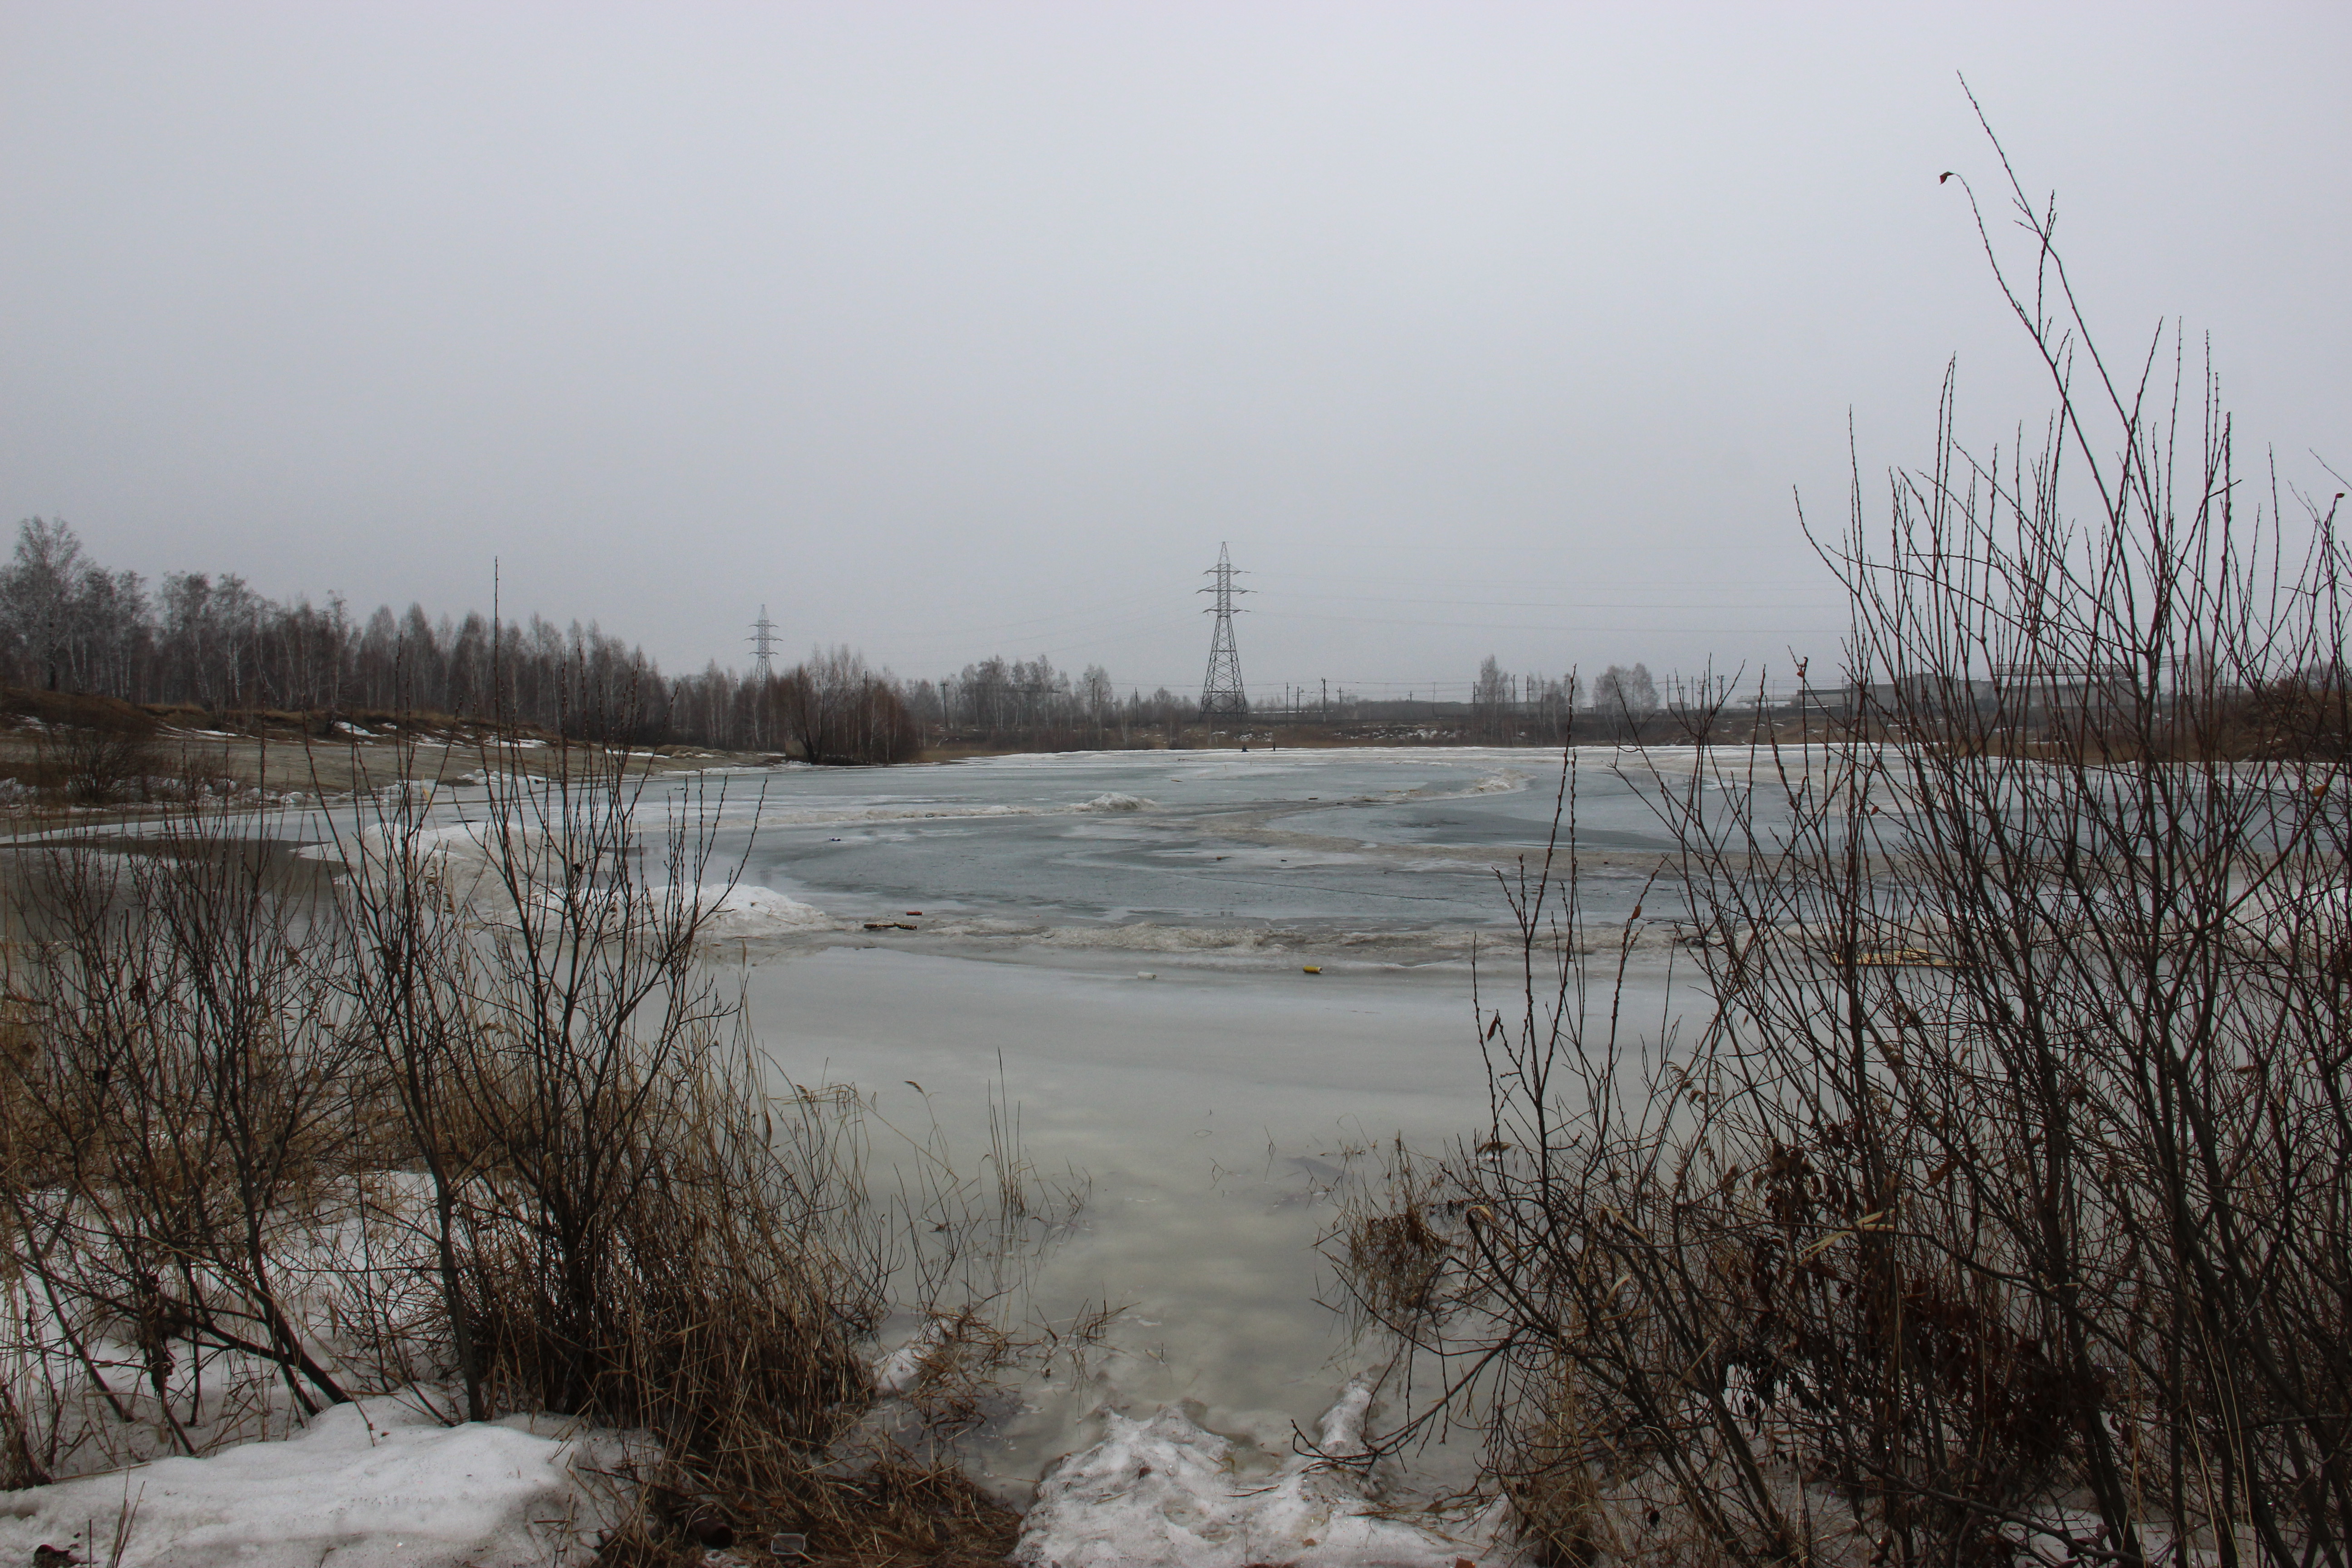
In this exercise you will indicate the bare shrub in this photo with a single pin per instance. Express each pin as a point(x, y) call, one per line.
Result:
point(100, 767)
point(2001, 1206)
point(91, 749)
point(461, 1109)
point(627, 1224)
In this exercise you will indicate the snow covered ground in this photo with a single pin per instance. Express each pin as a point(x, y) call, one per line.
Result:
point(374, 1484)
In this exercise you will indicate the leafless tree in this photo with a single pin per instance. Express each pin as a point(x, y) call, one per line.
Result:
point(1623, 692)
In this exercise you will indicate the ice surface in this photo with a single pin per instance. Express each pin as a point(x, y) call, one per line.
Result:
point(1393, 840)
point(369, 1485)
point(1214, 1110)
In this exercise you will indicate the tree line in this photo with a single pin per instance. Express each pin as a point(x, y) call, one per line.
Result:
point(213, 645)
point(210, 643)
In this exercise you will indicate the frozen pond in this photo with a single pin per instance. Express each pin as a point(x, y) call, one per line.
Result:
point(1120, 943)
point(1213, 1104)
point(1389, 841)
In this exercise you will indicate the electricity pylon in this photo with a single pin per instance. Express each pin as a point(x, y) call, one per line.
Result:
point(764, 644)
point(1222, 696)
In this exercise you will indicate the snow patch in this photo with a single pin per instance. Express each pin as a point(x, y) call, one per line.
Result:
point(372, 1485)
point(1165, 1491)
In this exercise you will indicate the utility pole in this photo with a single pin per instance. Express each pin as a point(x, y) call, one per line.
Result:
point(763, 645)
point(1222, 696)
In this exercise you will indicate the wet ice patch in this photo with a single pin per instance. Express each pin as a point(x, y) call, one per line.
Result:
point(1164, 1491)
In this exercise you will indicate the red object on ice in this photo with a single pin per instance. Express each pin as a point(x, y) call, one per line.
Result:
point(914, 912)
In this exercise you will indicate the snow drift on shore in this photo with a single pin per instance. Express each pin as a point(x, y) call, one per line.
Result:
point(370, 1485)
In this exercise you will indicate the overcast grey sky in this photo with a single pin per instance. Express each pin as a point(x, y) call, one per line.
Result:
point(947, 329)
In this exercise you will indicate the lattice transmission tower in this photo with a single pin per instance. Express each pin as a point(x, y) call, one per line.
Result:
point(763, 645)
point(1222, 696)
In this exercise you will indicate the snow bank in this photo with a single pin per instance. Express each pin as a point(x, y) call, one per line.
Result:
point(462, 858)
point(772, 815)
point(372, 1485)
point(1164, 1491)
point(1145, 937)
point(503, 779)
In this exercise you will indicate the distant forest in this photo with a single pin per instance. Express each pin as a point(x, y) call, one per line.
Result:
point(211, 644)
